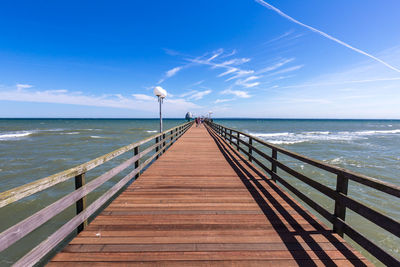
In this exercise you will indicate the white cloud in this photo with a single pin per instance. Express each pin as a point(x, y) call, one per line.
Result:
point(223, 100)
point(143, 97)
point(238, 93)
point(199, 95)
point(246, 81)
point(275, 66)
point(225, 64)
point(216, 54)
point(269, 6)
point(364, 90)
point(197, 83)
point(280, 37)
point(235, 61)
point(339, 82)
point(138, 102)
point(240, 73)
point(290, 69)
point(230, 70)
point(172, 72)
point(191, 92)
point(23, 86)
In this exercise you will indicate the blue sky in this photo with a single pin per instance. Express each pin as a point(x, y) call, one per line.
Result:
point(315, 59)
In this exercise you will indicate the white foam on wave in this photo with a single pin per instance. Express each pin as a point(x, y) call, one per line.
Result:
point(15, 135)
point(96, 136)
point(72, 133)
point(317, 132)
point(312, 136)
point(153, 131)
point(378, 132)
point(287, 138)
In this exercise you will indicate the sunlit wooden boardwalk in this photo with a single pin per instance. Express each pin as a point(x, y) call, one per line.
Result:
point(204, 204)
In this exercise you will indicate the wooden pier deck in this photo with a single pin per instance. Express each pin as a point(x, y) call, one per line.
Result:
point(203, 204)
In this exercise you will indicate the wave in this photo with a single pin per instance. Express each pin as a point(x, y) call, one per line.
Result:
point(96, 136)
point(378, 132)
point(287, 138)
point(153, 131)
point(269, 134)
point(15, 135)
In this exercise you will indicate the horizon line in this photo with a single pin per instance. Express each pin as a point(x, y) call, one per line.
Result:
point(172, 118)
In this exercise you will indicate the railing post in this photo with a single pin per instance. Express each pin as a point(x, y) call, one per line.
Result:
point(230, 137)
point(136, 152)
point(250, 148)
point(163, 144)
point(273, 164)
point(237, 141)
point(342, 185)
point(157, 147)
point(81, 203)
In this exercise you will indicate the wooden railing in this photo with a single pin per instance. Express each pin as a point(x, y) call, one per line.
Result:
point(340, 195)
point(78, 197)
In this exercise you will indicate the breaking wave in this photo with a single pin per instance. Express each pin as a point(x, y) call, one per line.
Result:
point(15, 135)
point(286, 138)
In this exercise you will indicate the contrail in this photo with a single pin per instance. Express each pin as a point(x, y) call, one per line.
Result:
point(261, 2)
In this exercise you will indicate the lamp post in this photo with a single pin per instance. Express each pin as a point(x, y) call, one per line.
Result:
point(161, 94)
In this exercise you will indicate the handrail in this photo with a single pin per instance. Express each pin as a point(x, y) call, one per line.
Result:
point(342, 200)
point(15, 194)
point(16, 232)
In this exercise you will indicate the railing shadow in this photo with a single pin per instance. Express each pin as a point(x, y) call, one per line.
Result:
point(271, 211)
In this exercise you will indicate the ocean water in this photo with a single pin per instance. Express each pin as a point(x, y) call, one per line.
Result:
point(31, 149)
point(369, 147)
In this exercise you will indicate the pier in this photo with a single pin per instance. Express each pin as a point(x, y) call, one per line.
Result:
point(203, 199)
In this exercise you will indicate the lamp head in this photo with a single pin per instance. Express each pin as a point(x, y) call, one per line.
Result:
point(160, 92)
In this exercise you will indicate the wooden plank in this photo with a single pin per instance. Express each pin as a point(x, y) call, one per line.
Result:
point(199, 203)
point(224, 263)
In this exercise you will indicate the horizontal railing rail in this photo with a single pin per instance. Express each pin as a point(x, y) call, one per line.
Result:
point(78, 197)
point(339, 195)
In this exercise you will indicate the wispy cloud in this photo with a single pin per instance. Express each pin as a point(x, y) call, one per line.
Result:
point(170, 73)
point(199, 95)
point(290, 69)
point(230, 70)
point(280, 37)
point(342, 82)
point(138, 102)
point(246, 82)
point(276, 65)
point(227, 64)
point(223, 100)
point(191, 92)
point(197, 83)
point(238, 93)
point(269, 6)
point(23, 86)
point(144, 97)
point(240, 73)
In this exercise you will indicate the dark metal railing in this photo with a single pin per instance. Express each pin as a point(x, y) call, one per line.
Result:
point(78, 197)
point(340, 195)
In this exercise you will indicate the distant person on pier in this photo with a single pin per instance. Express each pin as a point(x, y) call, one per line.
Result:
point(197, 121)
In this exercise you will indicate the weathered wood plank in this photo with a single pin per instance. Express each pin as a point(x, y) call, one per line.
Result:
point(198, 204)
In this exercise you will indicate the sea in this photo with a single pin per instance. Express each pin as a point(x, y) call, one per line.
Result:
point(31, 149)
